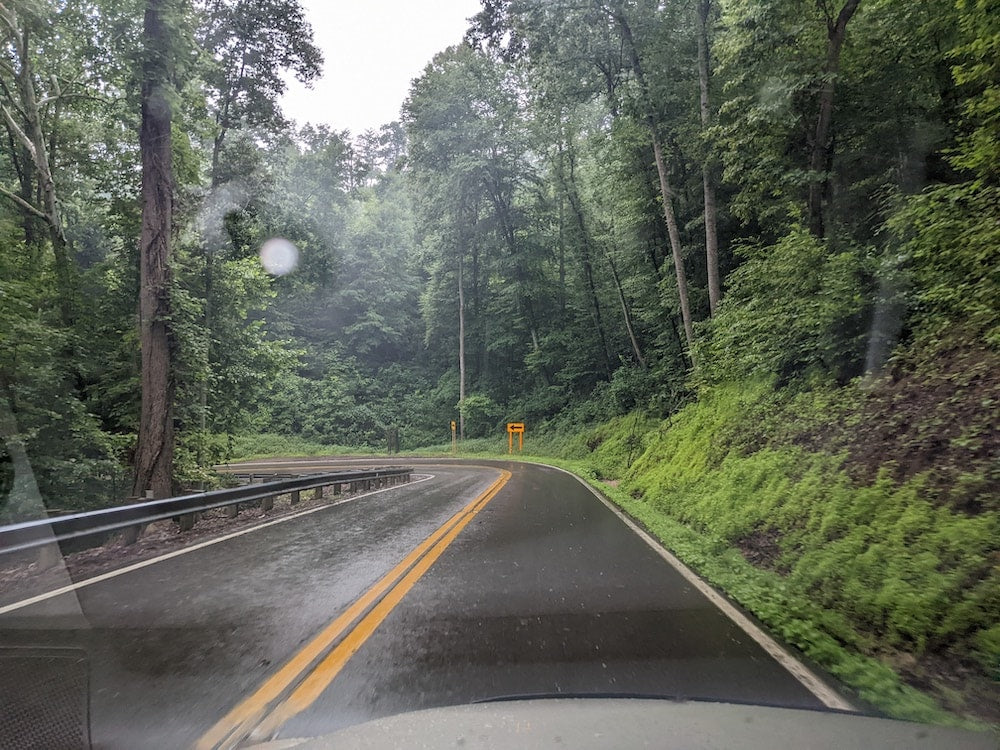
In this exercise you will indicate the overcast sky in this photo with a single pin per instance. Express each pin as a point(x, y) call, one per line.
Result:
point(372, 50)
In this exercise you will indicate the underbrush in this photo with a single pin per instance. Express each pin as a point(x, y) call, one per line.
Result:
point(245, 447)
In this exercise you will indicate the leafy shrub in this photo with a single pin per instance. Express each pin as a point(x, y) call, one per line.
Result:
point(951, 237)
point(482, 414)
point(792, 308)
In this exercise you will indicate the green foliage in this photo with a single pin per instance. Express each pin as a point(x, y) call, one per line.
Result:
point(265, 445)
point(481, 414)
point(978, 72)
point(75, 465)
point(951, 238)
point(794, 308)
point(249, 46)
point(988, 649)
point(613, 446)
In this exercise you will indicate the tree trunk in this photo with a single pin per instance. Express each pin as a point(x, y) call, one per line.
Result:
point(626, 313)
point(820, 158)
point(569, 187)
point(711, 235)
point(207, 326)
point(666, 193)
point(461, 352)
point(32, 139)
point(675, 240)
point(562, 255)
point(155, 449)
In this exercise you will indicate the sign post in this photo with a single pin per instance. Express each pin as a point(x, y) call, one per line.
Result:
point(515, 428)
point(454, 437)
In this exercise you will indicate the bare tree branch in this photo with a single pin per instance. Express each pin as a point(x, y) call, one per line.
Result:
point(45, 100)
point(8, 17)
point(24, 204)
point(12, 101)
point(16, 129)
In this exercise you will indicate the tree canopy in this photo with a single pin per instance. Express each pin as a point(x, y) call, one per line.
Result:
point(583, 210)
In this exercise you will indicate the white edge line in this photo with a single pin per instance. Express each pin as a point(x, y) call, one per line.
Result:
point(183, 551)
point(816, 686)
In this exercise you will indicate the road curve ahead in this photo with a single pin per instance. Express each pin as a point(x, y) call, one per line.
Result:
point(480, 582)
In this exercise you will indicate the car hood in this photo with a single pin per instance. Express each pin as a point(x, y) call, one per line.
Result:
point(635, 723)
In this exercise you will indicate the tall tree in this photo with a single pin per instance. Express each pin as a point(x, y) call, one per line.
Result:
point(617, 12)
point(249, 46)
point(704, 13)
point(468, 156)
point(819, 160)
point(21, 108)
point(154, 454)
point(252, 45)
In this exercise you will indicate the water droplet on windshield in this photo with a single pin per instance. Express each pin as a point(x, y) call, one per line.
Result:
point(279, 256)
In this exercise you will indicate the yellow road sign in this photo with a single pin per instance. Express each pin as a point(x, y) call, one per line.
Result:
point(515, 428)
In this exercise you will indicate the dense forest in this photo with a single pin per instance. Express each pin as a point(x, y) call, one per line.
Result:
point(598, 213)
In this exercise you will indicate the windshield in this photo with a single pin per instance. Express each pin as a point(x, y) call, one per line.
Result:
point(366, 359)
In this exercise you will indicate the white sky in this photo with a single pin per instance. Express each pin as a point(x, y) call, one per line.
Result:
point(372, 49)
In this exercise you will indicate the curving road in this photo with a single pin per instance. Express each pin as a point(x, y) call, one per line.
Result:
point(482, 581)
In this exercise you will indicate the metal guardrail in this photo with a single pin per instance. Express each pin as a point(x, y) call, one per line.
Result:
point(34, 534)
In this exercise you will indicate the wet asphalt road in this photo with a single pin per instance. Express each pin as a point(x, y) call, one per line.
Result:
point(546, 591)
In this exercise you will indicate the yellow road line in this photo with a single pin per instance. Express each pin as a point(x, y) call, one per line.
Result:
point(321, 677)
point(236, 724)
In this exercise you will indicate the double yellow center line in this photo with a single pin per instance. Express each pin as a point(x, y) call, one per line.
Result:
point(295, 686)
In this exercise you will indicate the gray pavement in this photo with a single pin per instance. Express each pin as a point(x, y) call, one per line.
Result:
point(545, 592)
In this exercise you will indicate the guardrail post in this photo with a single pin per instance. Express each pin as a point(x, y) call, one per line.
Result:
point(230, 511)
point(131, 535)
point(295, 497)
point(337, 488)
point(186, 521)
point(48, 556)
point(267, 503)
